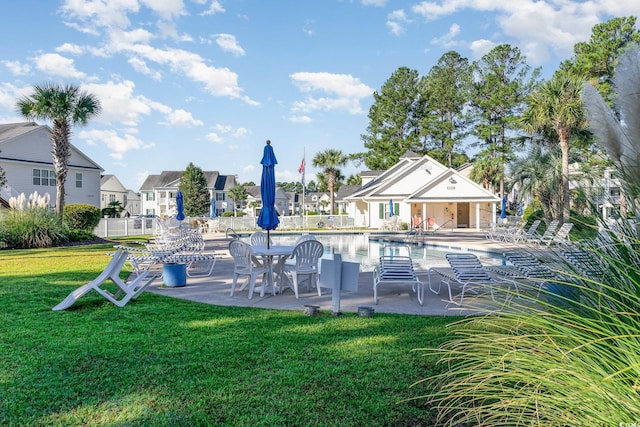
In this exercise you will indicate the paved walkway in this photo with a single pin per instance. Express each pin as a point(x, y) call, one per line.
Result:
point(215, 289)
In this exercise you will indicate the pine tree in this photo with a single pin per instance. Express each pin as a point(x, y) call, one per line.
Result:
point(197, 200)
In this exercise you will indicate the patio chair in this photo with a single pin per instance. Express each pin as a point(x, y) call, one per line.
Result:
point(393, 269)
point(466, 270)
point(125, 291)
point(305, 237)
point(306, 258)
point(246, 264)
point(260, 238)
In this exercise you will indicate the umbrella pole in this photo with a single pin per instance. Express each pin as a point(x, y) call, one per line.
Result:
point(268, 239)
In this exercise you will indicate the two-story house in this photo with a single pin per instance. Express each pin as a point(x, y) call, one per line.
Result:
point(25, 157)
point(158, 192)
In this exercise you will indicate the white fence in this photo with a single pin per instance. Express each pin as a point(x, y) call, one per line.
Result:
point(112, 227)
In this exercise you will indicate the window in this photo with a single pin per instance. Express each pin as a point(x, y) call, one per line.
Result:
point(220, 196)
point(112, 197)
point(125, 200)
point(150, 196)
point(78, 180)
point(44, 177)
point(104, 197)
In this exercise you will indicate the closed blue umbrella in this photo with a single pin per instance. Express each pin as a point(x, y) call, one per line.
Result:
point(213, 208)
point(503, 213)
point(390, 208)
point(179, 206)
point(268, 217)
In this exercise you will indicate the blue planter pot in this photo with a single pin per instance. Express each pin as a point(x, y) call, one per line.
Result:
point(174, 275)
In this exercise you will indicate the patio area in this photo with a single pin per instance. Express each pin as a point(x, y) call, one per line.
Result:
point(215, 289)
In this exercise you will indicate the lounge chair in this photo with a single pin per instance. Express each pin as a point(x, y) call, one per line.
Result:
point(393, 269)
point(547, 235)
point(466, 270)
point(562, 236)
point(125, 292)
point(531, 268)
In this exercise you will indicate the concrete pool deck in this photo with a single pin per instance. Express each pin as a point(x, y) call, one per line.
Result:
point(215, 289)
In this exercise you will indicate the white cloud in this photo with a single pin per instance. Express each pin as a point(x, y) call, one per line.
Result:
point(119, 104)
point(214, 7)
point(57, 65)
point(70, 48)
point(16, 67)
point(448, 40)
point(395, 21)
point(141, 66)
point(117, 145)
point(480, 47)
point(9, 94)
point(300, 119)
point(213, 137)
point(376, 3)
point(538, 27)
point(346, 92)
point(240, 132)
point(228, 43)
point(181, 118)
point(102, 13)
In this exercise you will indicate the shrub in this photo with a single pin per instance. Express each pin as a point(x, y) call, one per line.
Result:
point(81, 216)
point(32, 228)
point(557, 360)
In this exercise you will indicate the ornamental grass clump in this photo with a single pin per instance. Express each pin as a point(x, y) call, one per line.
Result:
point(570, 356)
point(30, 223)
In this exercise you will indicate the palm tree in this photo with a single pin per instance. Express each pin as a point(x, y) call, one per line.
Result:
point(557, 108)
point(67, 107)
point(239, 194)
point(330, 159)
point(538, 176)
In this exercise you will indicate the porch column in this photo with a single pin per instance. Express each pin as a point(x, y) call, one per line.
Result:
point(424, 216)
point(478, 216)
point(493, 213)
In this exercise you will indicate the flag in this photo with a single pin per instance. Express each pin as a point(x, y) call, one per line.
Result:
point(301, 171)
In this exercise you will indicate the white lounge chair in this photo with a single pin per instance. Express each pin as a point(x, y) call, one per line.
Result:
point(466, 270)
point(393, 268)
point(547, 235)
point(125, 292)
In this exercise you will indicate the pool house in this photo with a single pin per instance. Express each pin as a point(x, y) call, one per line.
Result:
point(423, 193)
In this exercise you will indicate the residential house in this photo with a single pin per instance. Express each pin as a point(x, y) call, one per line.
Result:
point(317, 202)
point(25, 157)
point(158, 192)
point(254, 201)
point(420, 188)
point(112, 190)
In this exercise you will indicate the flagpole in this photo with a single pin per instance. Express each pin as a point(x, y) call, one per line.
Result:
point(304, 161)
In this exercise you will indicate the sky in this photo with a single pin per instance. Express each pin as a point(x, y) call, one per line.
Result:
point(209, 81)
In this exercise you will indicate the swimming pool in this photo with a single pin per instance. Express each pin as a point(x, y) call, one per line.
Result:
point(360, 248)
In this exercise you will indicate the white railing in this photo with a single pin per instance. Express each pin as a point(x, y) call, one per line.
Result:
point(111, 227)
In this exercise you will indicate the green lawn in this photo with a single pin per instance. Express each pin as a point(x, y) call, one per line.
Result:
point(163, 361)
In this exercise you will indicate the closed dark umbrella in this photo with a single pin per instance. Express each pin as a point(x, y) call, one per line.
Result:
point(390, 208)
point(179, 206)
point(503, 213)
point(268, 217)
point(213, 207)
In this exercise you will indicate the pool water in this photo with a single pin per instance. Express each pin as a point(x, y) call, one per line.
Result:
point(359, 248)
